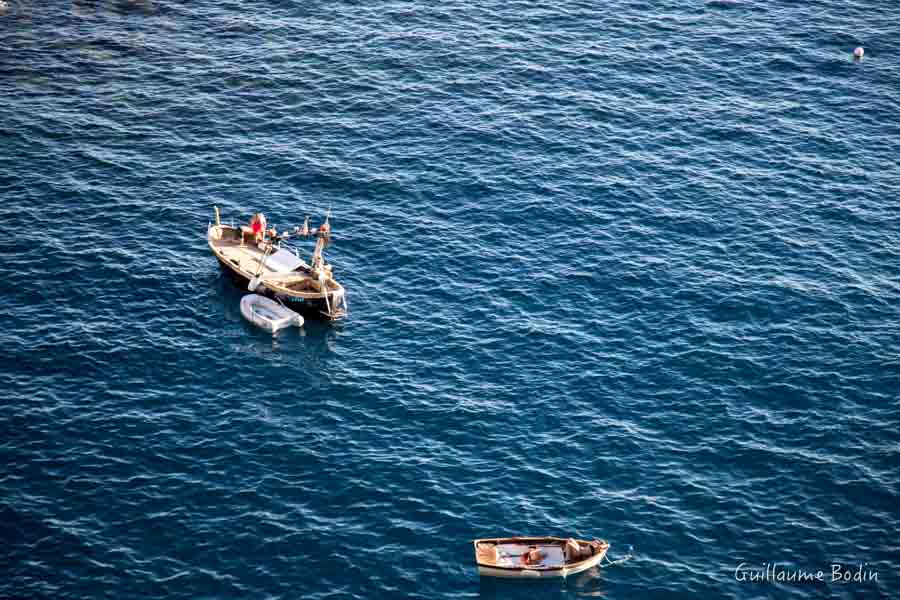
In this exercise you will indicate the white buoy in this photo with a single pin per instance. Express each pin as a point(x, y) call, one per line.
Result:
point(858, 53)
point(3, 6)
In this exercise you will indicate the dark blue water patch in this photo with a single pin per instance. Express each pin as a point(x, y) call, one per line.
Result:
point(627, 274)
point(733, 5)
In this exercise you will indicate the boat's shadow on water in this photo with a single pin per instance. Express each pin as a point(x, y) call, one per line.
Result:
point(588, 584)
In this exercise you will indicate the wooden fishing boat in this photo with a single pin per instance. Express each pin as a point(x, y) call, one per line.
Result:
point(537, 557)
point(273, 267)
point(268, 314)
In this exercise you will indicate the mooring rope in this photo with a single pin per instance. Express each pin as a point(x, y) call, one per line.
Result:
point(629, 553)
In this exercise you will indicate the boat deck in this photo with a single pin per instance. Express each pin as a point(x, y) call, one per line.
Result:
point(245, 257)
point(249, 258)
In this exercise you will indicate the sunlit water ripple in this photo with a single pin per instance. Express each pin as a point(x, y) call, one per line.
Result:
point(628, 270)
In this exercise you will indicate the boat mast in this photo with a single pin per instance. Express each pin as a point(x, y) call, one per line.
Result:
point(318, 260)
point(321, 271)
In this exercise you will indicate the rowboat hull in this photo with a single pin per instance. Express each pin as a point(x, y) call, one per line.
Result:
point(490, 566)
point(525, 573)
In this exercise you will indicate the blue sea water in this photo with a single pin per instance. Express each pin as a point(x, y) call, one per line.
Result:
point(627, 270)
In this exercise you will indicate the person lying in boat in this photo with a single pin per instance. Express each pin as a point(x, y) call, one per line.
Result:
point(576, 552)
point(533, 556)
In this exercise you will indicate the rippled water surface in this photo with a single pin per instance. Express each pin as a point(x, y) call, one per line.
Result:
point(626, 270)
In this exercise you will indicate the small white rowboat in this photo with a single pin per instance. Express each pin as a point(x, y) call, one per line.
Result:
point(554, 557)
point(268, 314)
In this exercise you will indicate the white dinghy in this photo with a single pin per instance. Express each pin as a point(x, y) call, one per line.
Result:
point(268, 314)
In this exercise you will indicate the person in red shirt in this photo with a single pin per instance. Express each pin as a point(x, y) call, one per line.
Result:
point(258, 227)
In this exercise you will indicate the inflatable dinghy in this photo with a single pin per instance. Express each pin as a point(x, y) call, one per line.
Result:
point(268, 314)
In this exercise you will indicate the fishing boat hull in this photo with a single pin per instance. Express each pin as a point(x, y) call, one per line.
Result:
point(268, 314)
point(501, 557)
point(314, 308)
point(277, 273)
